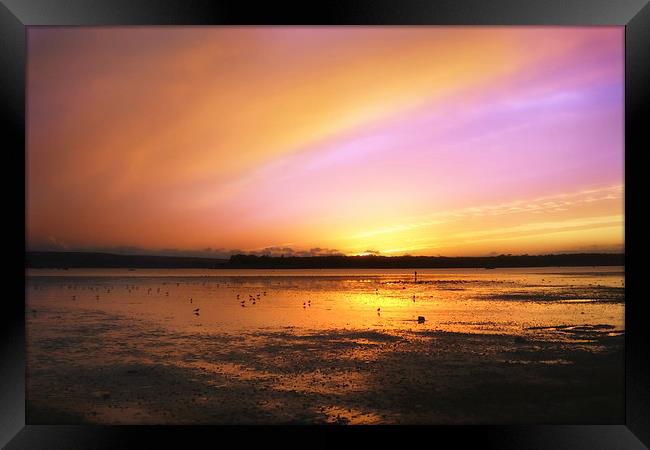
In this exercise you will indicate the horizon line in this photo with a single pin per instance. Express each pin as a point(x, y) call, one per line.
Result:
point(364, 255)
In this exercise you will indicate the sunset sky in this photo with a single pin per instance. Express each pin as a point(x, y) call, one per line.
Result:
point(308, 140)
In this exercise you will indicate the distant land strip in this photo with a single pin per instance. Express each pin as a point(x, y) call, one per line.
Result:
point(65, 260)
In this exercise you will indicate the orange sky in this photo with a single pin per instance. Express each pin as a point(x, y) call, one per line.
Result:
point(421, 140)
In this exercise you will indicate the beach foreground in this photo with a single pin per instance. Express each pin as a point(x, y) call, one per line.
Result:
point(502, 347)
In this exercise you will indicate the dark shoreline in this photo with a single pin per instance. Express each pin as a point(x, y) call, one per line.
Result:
point(65, 260)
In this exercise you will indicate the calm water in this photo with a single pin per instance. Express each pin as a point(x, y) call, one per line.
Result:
point(469, 300)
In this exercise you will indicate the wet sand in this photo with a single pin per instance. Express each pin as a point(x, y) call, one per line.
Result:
point(97, 364)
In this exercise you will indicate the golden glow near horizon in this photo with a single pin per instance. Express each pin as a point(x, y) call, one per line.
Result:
point(418, 140)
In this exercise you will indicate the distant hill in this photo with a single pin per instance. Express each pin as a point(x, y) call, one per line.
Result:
point(60, 260)
point(108, 260)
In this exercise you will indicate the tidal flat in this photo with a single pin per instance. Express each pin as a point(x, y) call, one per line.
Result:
point(500, 346)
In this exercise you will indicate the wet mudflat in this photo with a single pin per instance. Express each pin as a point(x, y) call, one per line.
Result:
point(542, 346)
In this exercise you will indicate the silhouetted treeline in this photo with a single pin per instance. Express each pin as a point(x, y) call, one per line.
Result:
point(403, 262)
point(64, 260)
point(107, 260)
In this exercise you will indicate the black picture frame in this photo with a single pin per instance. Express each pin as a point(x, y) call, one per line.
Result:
point(17, 15)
